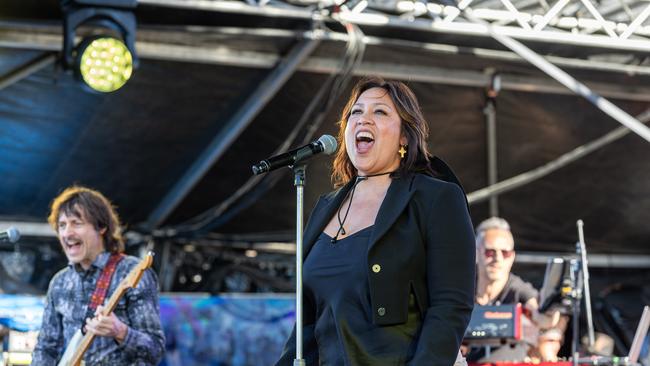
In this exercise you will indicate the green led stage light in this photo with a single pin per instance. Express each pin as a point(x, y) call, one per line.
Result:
point(105, 64)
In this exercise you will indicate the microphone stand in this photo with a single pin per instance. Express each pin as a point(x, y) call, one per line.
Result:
point(580, 274)
point(326, 144)
point(576, 297)
point(299, 182)
point(582, 251)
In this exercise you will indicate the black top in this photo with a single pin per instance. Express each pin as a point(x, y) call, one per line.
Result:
point(423, 240)
point(515, 291)
point(336, 280)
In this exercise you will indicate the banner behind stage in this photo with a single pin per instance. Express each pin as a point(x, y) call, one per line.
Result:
point(225, 330)
point(200, 329)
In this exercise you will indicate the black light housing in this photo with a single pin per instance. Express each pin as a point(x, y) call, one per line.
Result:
point(115, 23)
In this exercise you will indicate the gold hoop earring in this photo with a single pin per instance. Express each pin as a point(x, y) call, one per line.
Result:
point(402, 151)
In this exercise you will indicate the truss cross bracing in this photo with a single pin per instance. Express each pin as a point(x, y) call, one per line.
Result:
point(611, 24)
point(614, 24)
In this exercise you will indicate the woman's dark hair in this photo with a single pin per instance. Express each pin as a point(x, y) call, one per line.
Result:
point(93, 207)
point(414, 127)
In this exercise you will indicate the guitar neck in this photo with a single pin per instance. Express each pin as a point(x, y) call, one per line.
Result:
point(112, 301)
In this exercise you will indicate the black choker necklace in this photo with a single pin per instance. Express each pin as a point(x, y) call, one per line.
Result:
point(359, 179)
point(362, 177)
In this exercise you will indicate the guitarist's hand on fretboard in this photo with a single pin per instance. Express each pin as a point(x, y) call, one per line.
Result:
point(106, 325)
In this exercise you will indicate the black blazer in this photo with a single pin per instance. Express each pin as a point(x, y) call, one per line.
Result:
point(423, 240)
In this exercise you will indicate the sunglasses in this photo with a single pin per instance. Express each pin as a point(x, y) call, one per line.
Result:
point(491, 253)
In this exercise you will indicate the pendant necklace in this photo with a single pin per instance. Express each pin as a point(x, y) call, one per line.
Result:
point(359, 179)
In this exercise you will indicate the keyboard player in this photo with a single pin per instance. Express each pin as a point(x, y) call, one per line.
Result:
point(496, 285)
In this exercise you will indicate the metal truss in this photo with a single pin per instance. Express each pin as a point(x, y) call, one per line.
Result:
point(566, 22)
point(27, 69)
point(611, 24)
point(223, 55)
point(244, 116)
point(512, 183)
point(43, 230)
point(49, 39)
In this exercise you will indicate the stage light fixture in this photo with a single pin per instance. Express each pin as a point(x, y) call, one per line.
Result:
point(104, 61)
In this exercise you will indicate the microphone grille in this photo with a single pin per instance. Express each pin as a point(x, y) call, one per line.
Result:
point(329, 144)
point(13, 234)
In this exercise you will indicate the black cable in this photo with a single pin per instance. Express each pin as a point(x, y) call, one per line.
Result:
point(257, 185)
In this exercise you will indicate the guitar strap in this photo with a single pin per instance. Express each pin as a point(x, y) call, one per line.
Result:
point(103, 283)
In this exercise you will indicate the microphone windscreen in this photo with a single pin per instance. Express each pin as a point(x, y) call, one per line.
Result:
point(329, 144)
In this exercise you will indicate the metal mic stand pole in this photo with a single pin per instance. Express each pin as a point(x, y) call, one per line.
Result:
point(582, 250)
point(576, 297)
point(299, 182)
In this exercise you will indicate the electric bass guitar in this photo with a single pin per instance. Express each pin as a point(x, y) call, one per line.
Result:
point(80, 343)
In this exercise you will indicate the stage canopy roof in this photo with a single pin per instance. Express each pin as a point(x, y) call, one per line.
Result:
point(224, 84)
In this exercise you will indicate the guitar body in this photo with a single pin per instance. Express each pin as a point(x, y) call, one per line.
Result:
point(79, 344)
point(66, 360)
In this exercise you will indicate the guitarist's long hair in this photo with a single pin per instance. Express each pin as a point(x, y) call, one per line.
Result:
point(95, 208)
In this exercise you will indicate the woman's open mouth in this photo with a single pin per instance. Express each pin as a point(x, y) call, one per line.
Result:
point(364, 141)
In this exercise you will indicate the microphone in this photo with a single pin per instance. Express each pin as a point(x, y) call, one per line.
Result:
point(325, 143)
point(11, 235)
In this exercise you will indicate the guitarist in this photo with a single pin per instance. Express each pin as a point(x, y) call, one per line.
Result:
point(88, 229)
